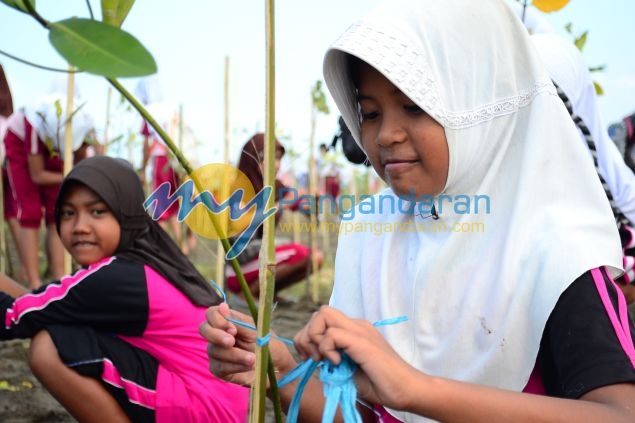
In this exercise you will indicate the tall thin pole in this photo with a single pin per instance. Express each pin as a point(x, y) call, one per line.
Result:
point(313, 276)
point(220, 252)
point(107, 125)
point(68, 147)
point(267, 269)
point(180, 125)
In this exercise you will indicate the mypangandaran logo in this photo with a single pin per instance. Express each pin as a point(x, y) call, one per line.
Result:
point(223, 194)
point(220, 190)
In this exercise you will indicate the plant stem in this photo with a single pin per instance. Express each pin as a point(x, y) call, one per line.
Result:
point(36, 16)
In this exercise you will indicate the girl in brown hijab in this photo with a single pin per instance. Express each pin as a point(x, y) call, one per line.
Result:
point(117, 340)
point(293, 261)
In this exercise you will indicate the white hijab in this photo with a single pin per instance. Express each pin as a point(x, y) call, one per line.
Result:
point(568, 69)
point(148, 91)
point(477, 302)
point(532, 19)
point(47, 115)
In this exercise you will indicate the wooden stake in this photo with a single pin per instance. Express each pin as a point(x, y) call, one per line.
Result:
point(267, 268)
point(107, 125)
point(68, 147)
point(313, 276)
point(220, 251)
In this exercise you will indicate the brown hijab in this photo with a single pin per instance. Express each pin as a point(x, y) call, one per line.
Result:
point(142, 239)
point(251, 163)
point(6, 101)
point(252, 158)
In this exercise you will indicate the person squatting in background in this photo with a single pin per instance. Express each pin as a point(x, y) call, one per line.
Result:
point(293, 260)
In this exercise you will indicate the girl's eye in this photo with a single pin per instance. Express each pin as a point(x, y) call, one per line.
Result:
point(66, 213)
point(368, 115)
point(99, 212)
point(413, 108)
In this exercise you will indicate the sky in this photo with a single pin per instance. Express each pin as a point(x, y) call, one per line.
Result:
point(191, 39)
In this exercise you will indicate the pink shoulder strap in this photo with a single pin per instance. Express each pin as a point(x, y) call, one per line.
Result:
point(619, 318)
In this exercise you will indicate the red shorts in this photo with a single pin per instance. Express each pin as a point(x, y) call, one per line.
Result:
point(163, 172)
point(332, 186)
point(30, 198)
point(285, 254)
point(10, 209)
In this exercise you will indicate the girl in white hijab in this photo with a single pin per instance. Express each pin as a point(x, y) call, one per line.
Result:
point(450, 101)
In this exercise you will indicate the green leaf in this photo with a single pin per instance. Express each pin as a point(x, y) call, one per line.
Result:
point(581, 40)
point(101, 49)
point(597, 68)
point(598, 88)
point(569, 27)
point(114, 12)
point(319, 99)
point(19, 4)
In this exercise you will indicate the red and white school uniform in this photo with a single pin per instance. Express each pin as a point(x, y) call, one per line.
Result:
point(32, 201)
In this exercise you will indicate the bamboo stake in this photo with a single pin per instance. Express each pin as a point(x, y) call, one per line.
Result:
point(220, 252)
point(313, 277)
point(268, 265)
point(326, 236)
point(183, 232)
point(68, 147)
point(107, 125)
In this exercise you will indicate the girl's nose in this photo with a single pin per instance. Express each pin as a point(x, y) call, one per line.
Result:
point(391, 132)
point(81, 223)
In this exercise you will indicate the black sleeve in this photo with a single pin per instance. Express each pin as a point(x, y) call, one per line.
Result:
point(580, 350)
point(111, 296)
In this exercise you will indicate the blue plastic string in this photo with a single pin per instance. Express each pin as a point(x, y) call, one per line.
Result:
point(260, 341)
point(338, 384)
point(305, 371)
point(219, 289)
point(340, 389)
point(337, 380)
point(390, 321)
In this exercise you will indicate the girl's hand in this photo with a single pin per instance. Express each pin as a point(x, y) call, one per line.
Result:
point(383, 376)
point(231, 347)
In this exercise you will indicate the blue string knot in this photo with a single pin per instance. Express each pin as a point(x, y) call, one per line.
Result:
point(338, 384)
point(339, 388)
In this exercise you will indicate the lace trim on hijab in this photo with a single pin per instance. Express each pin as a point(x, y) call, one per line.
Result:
point(459, 120)
point(415, 79)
